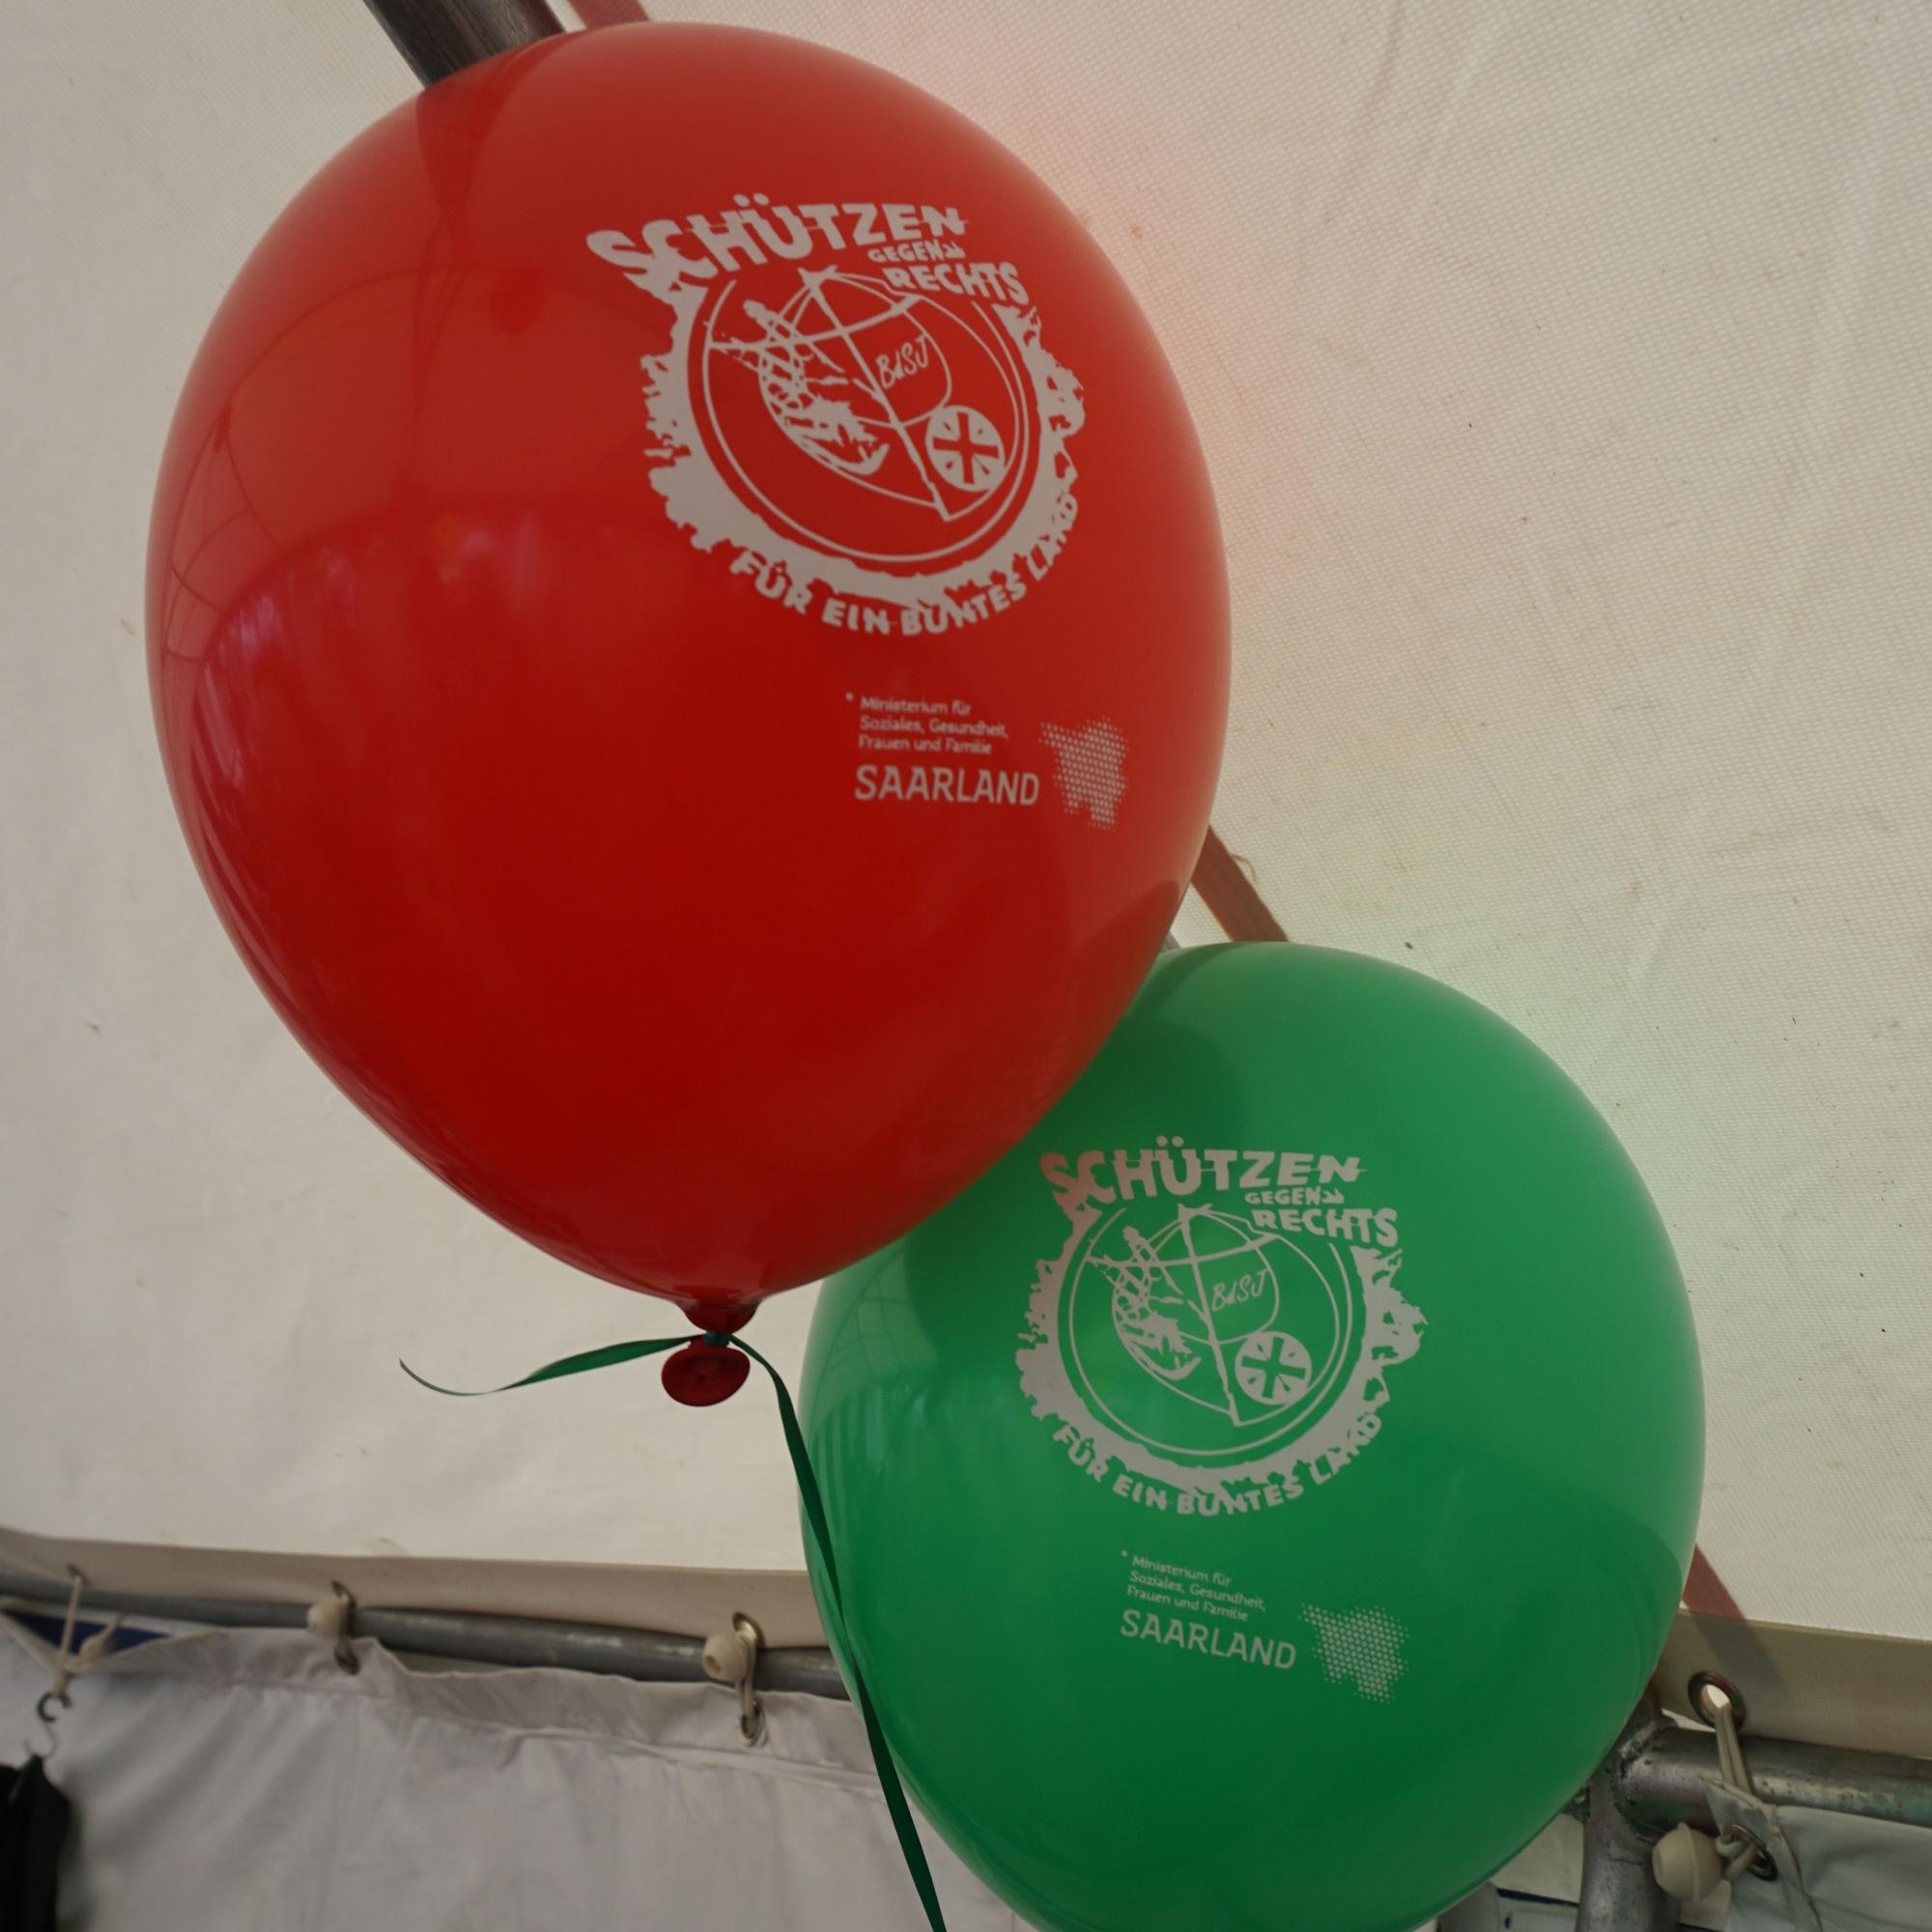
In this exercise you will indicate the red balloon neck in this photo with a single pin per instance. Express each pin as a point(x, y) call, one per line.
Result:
point(718, 1315)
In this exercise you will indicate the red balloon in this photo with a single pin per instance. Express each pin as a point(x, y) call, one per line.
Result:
point(689, 639)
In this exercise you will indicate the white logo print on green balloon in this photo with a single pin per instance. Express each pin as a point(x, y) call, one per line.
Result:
point(1216, 1332)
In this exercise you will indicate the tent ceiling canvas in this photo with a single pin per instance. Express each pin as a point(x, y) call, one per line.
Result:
point(1565, 379)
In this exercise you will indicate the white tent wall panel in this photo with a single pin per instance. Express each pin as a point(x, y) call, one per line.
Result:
point(1565, 376)
point(241, 1781)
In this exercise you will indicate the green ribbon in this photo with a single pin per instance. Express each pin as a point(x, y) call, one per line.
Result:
point(618, 1353)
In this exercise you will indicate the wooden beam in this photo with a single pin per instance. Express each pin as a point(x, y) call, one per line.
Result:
point(1230, 894)
point(1705, 1594)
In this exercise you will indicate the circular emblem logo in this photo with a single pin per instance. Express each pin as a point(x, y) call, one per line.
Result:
point(1209, 1339)
point(1208, 1342)
point(863, 421)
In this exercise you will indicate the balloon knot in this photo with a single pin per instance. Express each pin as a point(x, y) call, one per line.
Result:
point(705, 1371)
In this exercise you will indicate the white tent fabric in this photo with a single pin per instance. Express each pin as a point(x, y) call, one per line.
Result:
point(1565, 376)
point(237, 1782)
point(1858, 1875)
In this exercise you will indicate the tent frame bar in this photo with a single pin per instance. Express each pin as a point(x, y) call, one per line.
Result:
point(1667, 1781)
point(1661, 1771)
point(516, 1643)
point(1619, 1892)
point(438, 38)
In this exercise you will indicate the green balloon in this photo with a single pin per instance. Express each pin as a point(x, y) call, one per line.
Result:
point(1260, 1500)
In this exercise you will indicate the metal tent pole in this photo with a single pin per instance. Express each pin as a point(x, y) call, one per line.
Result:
point(1661, 1773)
point(1667, 1780)
point(1620, 1893)
point(652, 1657)
point(440, 37)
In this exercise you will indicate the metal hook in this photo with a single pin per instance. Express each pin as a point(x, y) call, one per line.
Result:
point(63, 1657)
point(345, 1636)
point(46, 1717)
point(333, 1620)
point(57, 1692)
point(731, 1659)
point(750, 1712)
point(1720, 1707)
